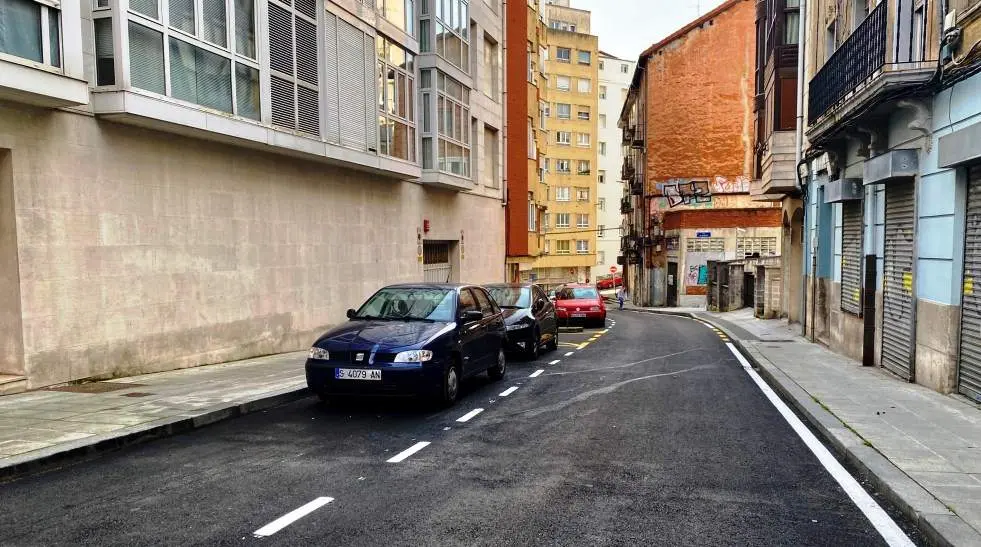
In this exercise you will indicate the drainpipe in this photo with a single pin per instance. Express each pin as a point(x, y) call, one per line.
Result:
point(799, 151)
point(504, 139)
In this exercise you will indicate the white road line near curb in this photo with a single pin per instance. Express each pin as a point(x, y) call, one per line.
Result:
point(508, 391)
point(537, 373)
point(570, 353)
point(887, 528)
point(408, 452)
point(555, 362)
point(469, 415)
point(291, 517)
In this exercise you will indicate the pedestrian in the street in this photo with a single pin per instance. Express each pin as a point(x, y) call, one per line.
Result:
point(621, 296)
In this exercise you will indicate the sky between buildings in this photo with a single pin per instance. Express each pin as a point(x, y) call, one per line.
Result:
point(628, 27)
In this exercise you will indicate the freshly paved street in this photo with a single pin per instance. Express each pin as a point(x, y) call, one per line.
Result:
point(648, 433)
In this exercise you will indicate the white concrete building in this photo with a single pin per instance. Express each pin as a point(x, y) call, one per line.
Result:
point(186, 182)
point(614, 81)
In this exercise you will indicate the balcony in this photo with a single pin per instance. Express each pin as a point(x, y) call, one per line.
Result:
point(779, 173)
point(626, 207)
point(628, 171)
point(887, 53)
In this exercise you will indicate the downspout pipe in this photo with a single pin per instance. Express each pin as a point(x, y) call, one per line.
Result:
point(799, 151)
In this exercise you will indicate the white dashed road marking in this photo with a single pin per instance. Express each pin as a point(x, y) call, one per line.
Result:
point(291, 517)
point(555, 362)
point(537, 373)
point(408, 452)
point(570, 353)
point(469, 415)
point(888, 529)
point(508, 391)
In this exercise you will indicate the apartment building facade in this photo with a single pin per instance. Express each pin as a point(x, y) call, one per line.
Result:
point(890, 166)
point(614, 81)
point(184, 183)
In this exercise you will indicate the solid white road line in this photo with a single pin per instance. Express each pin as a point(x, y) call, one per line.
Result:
point(469, 415)
point(508, 391)
point(555, 362)
point(291, 517)
point(408, 452)
point(570, 353)
point(888, 529)
point(537, 373)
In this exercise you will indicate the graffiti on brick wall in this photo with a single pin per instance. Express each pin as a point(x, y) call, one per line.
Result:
point(700, 193)
point(697, 275)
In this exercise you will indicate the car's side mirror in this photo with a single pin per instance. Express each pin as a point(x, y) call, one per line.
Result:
point(539, 304)
point(351, 314)
point(471, 316)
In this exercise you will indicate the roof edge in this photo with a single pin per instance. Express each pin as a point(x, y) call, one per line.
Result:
point(688, 28)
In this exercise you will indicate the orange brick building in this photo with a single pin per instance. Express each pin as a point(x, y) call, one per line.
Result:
point(689, 123)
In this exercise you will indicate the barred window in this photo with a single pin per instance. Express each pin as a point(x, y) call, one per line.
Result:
point(765, 246)
point(705, 245)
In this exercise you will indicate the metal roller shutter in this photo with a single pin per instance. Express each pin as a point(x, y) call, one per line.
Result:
point(351, 85)
point(969, 367)
point(897, 305)
point(851, 257)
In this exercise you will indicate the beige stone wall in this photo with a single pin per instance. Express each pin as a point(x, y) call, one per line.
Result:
point(11, 332)
point(937, 336)
point(142, 251)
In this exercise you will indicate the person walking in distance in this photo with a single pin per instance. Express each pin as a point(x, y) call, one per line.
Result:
point(621, 296)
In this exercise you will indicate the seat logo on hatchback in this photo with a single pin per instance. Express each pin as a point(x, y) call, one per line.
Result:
point(359, 357)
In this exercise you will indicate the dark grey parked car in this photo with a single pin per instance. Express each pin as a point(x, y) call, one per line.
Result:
point(529, 317)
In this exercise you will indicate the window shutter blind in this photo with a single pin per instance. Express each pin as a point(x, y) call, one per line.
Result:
point(351, 85)
point(182, 15)
point(283, 103)
point(307, 7)
point(146, 58)
point(214, 80)
point(105, 70)
point(370, 90)
point(330, 83)
point(280, 40)
point(146, 7)
point(214, 22)
point(247, 91)
point(245, 28)
point(306, 52)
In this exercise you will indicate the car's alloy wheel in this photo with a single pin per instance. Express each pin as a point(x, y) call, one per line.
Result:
point(553, 344)
point(536, 346)
point(498, 371)
point(451, 385)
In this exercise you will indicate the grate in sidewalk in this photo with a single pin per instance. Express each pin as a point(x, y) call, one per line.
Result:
point(94, 387)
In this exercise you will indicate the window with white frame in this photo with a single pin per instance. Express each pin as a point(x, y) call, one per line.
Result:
point(563, 111)
point(602, 148)
point(452, 28)
point(584, 57)
point(214, 64)
point(562, 247)
point(491, 71)
point(543, 54)
point(602, 90)
point(584, 85)
point(563, 54)
point(600, 230)
point(582, 139)
point(602, 176)
point(562, 166)
point(624, 68)
point(563, 137)
point(705, 245)
point(601, 204)
point(532, 212)
point(562, 193)
point(561, 220)
point(532, 148)
point(582, 246)
point(602, 121)
point(602, 65)
point(582, 221)
point(583, 167)
point(31, 30)
point(546, 220)
point(453, 111)
point(765, 246)
point(562, 83)
point(542, 114)
point(400, 13)
point(582, 193)
point(600, 257)
point(545, 249)
point(396, 100)
point(582, 112)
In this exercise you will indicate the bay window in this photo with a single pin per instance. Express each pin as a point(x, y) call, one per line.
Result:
point(451, 25)
point(31, 30)
point(396, 100)
point(453, 112)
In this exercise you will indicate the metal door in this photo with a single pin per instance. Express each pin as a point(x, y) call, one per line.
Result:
point(851, 257)
point(436, 266)
point(672, 284)
point(897, 302)
point(969, 365)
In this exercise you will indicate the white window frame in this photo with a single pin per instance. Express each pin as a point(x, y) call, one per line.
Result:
point(589, 57)
point(558, 111)
point(582, 113)
point(582, 246)
point(563, 247)
point(602, 91)
point(562, 166)
point(563, 220)
point(560, 58)
point(464, 102)
point(563, 138)
point(584, 167)
point(410, 93)
point(46, 11)
point(562, 193)
point(583, 140)
point(582, 220)
point(582, 193)
point(584, 85)
point(563, 83)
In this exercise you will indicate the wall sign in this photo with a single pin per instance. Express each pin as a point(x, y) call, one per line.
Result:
point(703, 235)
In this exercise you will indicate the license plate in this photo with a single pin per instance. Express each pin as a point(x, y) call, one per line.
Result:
point(579, 315)
point(357, 374)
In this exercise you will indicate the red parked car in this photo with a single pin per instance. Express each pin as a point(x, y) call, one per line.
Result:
point(580, 303)
point(610, 282)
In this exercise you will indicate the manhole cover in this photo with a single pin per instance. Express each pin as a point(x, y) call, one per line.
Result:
point(94, 387)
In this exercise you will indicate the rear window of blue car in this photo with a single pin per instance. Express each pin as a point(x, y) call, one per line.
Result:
point(408, 304)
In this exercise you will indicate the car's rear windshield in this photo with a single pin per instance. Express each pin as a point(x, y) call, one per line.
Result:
point(409, 304)
point(511, 297)
point(576, 293)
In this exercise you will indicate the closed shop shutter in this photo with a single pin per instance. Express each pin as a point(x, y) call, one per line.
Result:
point(851, 257)
point(436, 262)
point(969, 367)
point(897, 305)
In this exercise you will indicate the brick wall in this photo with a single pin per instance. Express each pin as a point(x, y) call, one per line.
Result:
point(723, 218)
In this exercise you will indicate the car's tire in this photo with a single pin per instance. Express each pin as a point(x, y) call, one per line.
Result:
point(553, 344)
point(535, 350)
point(498, 371)
point(450, 388)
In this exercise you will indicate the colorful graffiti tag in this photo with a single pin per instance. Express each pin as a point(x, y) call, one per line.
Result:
point(679, 192)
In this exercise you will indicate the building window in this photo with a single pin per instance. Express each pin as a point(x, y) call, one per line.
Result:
point(545, 249)
point(791, 24)
point(624, 68)
point(562, 247)
point(602, 177)
point(453, 110)
point(31, 31)
point(602, 148)
point(546, 219)
point(765, 246)
point(542, 54)
point(203, 67)
point(561, 194)
point(563, 111)
point(583, 167)
point(532, 148)
point(601, 257)
point(585, 57)
point(396, 100)
point(562, 83)
point(582, 139)
point(542, 114)
point(830, 39)
point(532, 212)
point(601, 204)
point(453, 32)
point(602, 65)
point(562, 166)
point(561, 220)
point(584, 85)
point(491, 71)
point(582, 221)
point(602, 89)
point(492, 153)
point(602, 121)
point(563, 137)
point(582, 194)
point(105, 65)
point(705, 245)
point(563, 54)
point(582, 246)
point(583, 112)
point(600, 230)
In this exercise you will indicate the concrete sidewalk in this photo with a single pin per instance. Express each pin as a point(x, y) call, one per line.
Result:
point(920, 448)
point(44, 427)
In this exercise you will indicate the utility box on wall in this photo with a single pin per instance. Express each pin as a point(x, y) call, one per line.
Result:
point(841, 190)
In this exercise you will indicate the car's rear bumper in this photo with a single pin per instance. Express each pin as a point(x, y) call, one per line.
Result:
point(581, 316)
point(395, 381)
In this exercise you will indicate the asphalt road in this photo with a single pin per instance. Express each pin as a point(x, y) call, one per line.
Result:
point(648, 433)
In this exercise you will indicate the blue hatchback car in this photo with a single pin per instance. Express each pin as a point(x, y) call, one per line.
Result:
point(413, 339)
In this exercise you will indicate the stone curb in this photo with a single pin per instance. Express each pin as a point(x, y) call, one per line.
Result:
point(64, 453)
point(939, 526)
